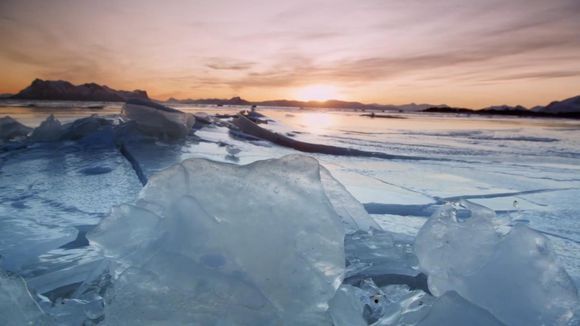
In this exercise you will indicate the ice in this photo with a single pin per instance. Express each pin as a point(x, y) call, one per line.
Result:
point(514, 276)
point(93, 130)
point(368, 304)
point(452, 309)
point(346, 308)
point(232, 150)
point(17, 307)
point(158, 120)
point(348, 208)
point(378, 256)
point(10, 128)
point(455, 242)
point(51, 192)
point(49, 130)
point(361, 305)
point(397, 305)
point(261, 242)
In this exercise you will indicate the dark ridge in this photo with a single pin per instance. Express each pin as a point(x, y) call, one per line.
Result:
point(81, 239)
point(402, 210)
point(515, 112)
point(501, 194)
point(246, 126)
point(382, 116)
point(151, 104)
point(60, 90)
point(335, 104)
point(134, 163)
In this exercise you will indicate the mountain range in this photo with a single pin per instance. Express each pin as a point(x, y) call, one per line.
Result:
point(568, 108)
point(336, 104)
point(60, 90)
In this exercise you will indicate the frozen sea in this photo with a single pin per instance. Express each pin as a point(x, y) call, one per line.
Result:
point(527, 170)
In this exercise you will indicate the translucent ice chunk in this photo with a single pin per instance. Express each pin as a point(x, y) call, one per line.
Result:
point(352, 213)
point(49, 130)
point(452, 309)
point(516, 276)
point(158, 120)
point(378, 256)
point(10, 128)
point(369, 304)
point(210, 242)
point(85, 127)
point(455, 242)
point(16, 304)
point(346, 308)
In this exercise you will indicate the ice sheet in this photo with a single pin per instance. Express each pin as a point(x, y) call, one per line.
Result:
point(526, 170)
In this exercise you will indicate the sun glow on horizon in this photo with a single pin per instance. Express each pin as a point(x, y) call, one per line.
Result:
point(317, 93)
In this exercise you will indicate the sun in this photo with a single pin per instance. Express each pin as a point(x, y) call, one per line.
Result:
point(317, 93)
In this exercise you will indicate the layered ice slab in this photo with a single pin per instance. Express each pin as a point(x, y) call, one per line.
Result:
point(17, 307)
point(216, 243)
point(158, 120)
point(514, 275)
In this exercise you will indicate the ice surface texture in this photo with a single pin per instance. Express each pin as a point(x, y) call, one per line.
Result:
point(262, 242)
point(16, 304)
point(514, 276)
point(158, 120)
point(452, 309)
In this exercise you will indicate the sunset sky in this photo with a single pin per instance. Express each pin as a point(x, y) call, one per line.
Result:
point(458, 52)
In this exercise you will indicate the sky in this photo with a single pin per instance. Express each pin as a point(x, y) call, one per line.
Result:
point(458, 52)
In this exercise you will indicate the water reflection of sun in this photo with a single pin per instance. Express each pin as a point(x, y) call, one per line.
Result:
point(316, 122)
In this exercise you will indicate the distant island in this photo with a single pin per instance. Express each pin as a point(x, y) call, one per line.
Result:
point(60, 90)
point(335, 104)
point(568, 108)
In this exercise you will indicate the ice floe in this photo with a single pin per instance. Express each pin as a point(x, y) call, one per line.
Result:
point(514, 276)
point(159, 120)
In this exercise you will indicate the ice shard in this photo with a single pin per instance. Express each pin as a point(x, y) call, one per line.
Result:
point(211, 242)
point(514, 276)
point(158, 120)
point(49, 130)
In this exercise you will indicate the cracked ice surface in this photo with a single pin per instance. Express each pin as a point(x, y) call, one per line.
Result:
point(47, 203)
point(47, 199)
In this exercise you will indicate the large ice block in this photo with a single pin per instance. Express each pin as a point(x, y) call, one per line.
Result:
point(17, 307)
point(515, 276)
point(158, 120)
point(210, 242)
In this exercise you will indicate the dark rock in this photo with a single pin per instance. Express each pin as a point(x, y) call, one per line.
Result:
point(60, 90)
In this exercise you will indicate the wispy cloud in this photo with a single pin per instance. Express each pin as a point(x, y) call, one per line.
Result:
point(221, 47)
point(228, 64)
